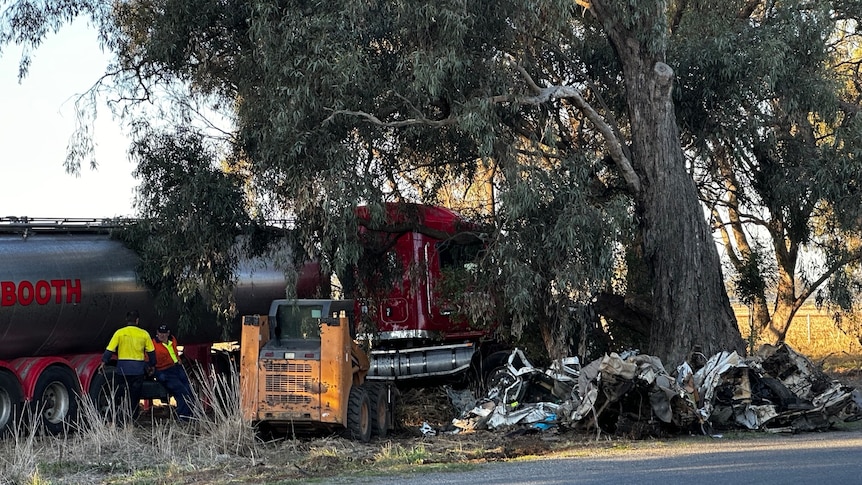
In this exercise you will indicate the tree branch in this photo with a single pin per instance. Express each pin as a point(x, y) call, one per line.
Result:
point(541, 95)
point(850, 107)
point(748, 9)
point(392, 124)
point(573, 94)
point(809, 289)
point(464, 237)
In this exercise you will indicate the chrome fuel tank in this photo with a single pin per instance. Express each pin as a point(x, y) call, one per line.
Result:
point(66, 293)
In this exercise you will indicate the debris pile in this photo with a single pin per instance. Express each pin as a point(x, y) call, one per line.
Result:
point(420, 410)
point(776, 390)
point(631, 394)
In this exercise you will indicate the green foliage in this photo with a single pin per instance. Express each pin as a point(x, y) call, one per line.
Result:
point(774, 137)
point(339, 103)
point(753, 277)
point(344, 102)
point(192, 212)
point(555, 248)
point(302, 73)
point(27, 23)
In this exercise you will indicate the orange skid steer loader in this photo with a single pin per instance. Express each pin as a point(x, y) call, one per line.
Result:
point(302, 371)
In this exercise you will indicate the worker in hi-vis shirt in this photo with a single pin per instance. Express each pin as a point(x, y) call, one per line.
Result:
point(136, 357)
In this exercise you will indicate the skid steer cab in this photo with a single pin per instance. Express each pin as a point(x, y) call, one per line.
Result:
point(301, 371)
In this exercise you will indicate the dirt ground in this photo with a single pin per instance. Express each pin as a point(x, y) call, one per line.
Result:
point(433, 406)
point(408, 446)
point(242, 459)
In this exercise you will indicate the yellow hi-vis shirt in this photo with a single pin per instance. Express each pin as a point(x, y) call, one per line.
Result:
point(169, 345)
point(131, 343)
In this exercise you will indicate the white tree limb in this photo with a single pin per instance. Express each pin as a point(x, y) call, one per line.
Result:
point(615, 147)
point(541, 95)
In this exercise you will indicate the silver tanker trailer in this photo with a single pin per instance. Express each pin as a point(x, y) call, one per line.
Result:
point(65, 287)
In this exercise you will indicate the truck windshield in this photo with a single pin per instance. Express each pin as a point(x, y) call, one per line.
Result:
point(298, 322)
point(459, 256)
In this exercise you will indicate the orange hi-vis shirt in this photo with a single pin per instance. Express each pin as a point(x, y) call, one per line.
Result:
point(166, 353)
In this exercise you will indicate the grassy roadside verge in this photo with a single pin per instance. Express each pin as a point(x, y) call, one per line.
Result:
point(221, 448)
point(168, 454)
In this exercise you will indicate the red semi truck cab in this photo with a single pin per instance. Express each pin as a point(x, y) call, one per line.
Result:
point(418, 331)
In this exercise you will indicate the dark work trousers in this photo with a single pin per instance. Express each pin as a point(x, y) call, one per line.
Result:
point(176, 381)
point(129, 387)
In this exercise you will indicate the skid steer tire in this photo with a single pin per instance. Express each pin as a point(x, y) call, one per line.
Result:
point(381, 398)
point(358, 415)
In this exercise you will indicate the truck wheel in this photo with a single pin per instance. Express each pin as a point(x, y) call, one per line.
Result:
point(489, 365)
point(358, 415)
point(381, 410)
point(54, 399)
point(505, 386)
point(11, 398)
point(102, 394)
point(499, 381)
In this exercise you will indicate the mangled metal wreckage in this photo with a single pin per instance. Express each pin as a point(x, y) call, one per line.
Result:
point(632, 394)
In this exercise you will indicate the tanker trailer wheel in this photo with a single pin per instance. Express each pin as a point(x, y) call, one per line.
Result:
point(11, 398)
point(358, 415)
point(381, 399)
point(54, 399)
point(102, 395)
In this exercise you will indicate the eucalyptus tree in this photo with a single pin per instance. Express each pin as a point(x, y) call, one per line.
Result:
point(769, 104)
point(570, 105)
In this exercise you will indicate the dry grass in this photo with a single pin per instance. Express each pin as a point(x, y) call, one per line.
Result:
point(22, 463)
point(218, 416)
point(812, 333)
point(155, 449)
point(417, 406)
point(217, 447)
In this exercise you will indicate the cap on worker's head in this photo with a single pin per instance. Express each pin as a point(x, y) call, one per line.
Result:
point(164, 329)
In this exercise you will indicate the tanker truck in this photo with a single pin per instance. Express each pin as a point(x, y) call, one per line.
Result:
point(66, 285)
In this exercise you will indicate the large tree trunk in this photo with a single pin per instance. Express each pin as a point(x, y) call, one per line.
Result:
point(690, 303)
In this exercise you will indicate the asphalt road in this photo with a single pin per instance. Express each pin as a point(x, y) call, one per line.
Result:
point(811, 458)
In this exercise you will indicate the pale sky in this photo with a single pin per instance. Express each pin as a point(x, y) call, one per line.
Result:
point(37, 121)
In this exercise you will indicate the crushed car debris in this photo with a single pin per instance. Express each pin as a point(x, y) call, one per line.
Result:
point(776, 390)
